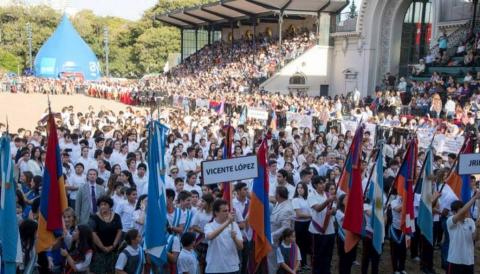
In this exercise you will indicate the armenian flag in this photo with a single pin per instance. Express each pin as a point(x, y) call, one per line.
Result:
point(259, 213)
point(404, 185)
point(53, 199)
point(352, 186)
point(460, 184)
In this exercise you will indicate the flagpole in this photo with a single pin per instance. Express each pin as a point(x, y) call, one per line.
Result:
point(380, 145)
point(424, 162)
point(398, 174)
point(467, 139)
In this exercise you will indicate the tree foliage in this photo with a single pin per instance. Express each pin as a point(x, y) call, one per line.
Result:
point(135, 48)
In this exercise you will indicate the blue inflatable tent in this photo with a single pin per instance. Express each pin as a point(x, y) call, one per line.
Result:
point(65, 53)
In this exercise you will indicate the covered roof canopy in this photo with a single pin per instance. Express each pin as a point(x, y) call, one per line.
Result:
point(236, 10)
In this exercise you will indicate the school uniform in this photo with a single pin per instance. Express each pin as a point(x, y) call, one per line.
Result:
point(288, 254)
point(187, 262)
point(369, 253)
point(130, 260)
point(461, 256)
point(398, 249)
point(346, 259)
point(222, 255)
point(323, 232)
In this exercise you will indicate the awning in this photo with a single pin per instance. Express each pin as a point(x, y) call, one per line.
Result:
point(236, 10)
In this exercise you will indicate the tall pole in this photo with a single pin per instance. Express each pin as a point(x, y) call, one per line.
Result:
point(29, 39)
point(107, 50)
point(474, 19)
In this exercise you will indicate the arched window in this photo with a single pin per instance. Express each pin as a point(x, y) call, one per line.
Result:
point(298, 79)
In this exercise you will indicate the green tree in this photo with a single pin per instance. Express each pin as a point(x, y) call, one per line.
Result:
point(153, 46)
point(9, 62)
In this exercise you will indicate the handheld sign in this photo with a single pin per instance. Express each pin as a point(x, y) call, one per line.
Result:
point(469, 164)
point(229, 170)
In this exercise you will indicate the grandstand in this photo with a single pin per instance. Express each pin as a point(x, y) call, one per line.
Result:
point(349, 51)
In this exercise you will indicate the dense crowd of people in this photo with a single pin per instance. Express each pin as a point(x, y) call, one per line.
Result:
point(106, 172)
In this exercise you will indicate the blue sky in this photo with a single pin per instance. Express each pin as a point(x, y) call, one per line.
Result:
point(128, 9)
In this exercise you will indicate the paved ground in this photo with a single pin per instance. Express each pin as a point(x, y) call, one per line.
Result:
point(24, 110)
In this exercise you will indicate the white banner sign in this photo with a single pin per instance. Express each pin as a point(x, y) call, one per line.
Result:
point(302, 120)
point(352, 127)
point(469, 164)
point(202, 103)
point(229, 170)
point(257, 113)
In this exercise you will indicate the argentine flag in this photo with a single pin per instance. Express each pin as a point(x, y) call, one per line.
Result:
point(156, 215)
point(10, 247)
point(377, 201)
point(425, 219)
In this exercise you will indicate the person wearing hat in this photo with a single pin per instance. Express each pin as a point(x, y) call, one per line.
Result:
point(170, 180)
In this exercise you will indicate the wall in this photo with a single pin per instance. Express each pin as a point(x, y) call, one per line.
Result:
point(314, 63)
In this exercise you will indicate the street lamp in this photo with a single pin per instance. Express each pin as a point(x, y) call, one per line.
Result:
point(107, 50)
point(29, 38)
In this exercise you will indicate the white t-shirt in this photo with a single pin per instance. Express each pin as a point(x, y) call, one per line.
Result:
point(302, 205)
point(125, 211)
point(273, 188)
point(78, 181)
point(319, 217)
point(187, 262)
point(240, 209)
point(222, 247)
point(461, 250)
point(201, 219)
point(396, 216)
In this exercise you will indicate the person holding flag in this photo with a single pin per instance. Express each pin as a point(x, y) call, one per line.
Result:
point(402, 206)
point(425, 212)
point(10, 249)
point(321, 226)
point(372, 242)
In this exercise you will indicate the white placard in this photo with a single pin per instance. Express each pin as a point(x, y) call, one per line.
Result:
point(229, 170)
point(302, 120)
point(202, 103)
point(469, 164)
point(257, 113)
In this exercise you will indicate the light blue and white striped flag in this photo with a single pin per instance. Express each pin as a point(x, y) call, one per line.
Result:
point(9, 236)
point(376, 199)
point(425, 217)
point(156, 215)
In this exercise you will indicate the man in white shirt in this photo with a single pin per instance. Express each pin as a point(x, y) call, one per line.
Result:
point(188, 164)
point(282, 175)
point(463, 233)
point(224, 241)
point(241, 205)
point(321, 226)
point(141, 179)
point(330, 164)
point(125, 210)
